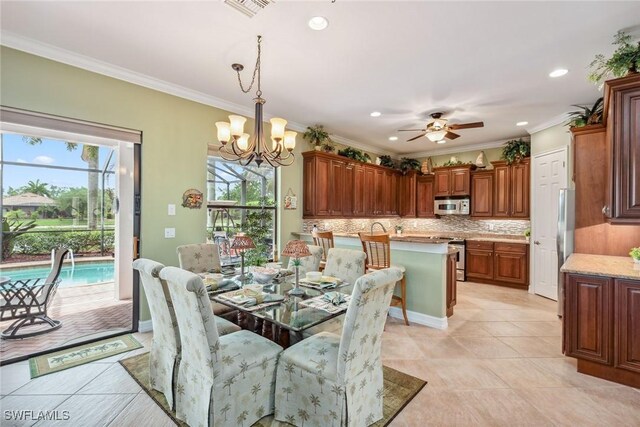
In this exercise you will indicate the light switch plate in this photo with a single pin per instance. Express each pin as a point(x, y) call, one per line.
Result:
point(171, 210)
point(169, 233)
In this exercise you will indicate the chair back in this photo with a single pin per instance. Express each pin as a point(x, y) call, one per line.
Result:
point(360, 344)
point(199, 257)
point(309, 263)
point(377, 248)
point(163, 317)
point(196, 322)
point(324, 239)
point(51, 283)
point(345, 264)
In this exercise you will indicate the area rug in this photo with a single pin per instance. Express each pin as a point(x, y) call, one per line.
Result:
point(399, 389)
point(75, 356)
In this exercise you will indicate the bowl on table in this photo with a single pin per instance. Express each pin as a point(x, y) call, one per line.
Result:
point(314, 276)
point(263, 274)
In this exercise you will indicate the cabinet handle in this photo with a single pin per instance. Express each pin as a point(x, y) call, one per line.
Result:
point(605, 210)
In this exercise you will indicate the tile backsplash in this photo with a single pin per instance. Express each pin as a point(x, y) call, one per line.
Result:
point(449, 224)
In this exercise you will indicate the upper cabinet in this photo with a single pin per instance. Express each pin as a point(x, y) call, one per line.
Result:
point(338, 187)
point(622, 119)
point(408, 191)
point(511, 189)
point(482, 194)
point(424, 196)
point(453, 180)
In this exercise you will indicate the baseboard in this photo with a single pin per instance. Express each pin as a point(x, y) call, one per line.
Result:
point(420, 318)
point(145, 326)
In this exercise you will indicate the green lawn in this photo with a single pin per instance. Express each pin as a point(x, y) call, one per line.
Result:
point(67, 222)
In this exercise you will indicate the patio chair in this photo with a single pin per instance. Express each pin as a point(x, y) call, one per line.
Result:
point(28, 301)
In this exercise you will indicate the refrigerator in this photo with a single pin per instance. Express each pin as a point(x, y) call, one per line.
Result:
point(564, 239)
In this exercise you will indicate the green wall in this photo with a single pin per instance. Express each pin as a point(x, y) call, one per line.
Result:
point(491, 154)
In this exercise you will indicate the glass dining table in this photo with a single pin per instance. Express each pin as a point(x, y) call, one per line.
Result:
point(288, 318)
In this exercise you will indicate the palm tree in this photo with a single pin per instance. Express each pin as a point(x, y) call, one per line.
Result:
point(337, 390)
point(37, 187)
point(244, 366)
point(334, 416)
point(228, 383)
point(315, 401)
point(224, 410)
point(287, 391)
point(320, 382)
point(90, 154)
point(304, 416)
point(242, 417)
point(254, 390)
point(290, 368)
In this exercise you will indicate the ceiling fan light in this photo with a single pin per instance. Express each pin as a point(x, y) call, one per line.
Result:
point(436, 135)
point(442, 141)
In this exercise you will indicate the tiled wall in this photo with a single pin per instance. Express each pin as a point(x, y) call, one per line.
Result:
point(452, 223)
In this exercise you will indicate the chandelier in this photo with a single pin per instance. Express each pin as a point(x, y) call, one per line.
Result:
point(245, 148)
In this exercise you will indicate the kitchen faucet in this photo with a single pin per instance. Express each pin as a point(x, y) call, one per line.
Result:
point(380, 224)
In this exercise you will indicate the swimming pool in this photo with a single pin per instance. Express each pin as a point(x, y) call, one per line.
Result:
point(84, 273)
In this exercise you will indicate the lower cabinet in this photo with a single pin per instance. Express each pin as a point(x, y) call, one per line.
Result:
point(602, 326)
point(497, 263)
point(452, 288)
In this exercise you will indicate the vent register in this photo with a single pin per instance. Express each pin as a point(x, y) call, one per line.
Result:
point(248, 7)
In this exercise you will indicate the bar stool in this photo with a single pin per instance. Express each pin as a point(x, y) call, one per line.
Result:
point(324, 239)
point(378, 250)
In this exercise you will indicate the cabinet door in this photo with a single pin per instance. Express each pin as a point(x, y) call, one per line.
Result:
point(510, 265)
point(482, 194)
point(520, 190)
point(424, 197)
point(588, 318)
point(627, 309)
point(380, 191)
point(359, 193)
point(347, 190)
point(322, 187)
point(451, 283)
point(441, 186)
point(369, 191)
point(309, 187)
point(391, 179)
point(502, 191)
point(479, 263)
point(407, 200)
point(336, 187)
point(459, 182)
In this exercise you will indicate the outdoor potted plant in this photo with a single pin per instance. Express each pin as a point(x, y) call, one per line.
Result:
point(516, 150)
point(586, 115)
point(635, 254)
point(317, 136)
point(625, 60)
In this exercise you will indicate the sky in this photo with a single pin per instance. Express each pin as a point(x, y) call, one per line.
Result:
point(50, 152)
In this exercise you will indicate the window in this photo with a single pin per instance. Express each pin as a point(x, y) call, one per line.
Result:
point(241, 199)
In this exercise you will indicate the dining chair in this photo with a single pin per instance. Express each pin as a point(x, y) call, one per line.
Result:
point(308, 263)
point(345, 264)
point(165, 347)
point(378, 250)
point(331, 379)
point(224, 380)
point(324, 239)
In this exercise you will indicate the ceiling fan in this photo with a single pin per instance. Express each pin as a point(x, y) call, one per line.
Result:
point(437, 128)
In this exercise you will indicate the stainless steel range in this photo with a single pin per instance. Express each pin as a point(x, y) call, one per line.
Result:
point(460, 245)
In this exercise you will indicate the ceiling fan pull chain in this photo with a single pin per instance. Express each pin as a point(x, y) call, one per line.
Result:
point(256, 71)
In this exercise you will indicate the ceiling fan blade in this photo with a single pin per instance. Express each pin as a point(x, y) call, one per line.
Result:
point(412, 130)
point(466, 125)
point(416, 137)
point(451, 135)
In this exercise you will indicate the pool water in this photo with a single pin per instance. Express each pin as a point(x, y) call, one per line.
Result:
point(86, 273)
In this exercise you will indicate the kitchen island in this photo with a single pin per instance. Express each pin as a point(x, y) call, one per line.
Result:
point(425, 260)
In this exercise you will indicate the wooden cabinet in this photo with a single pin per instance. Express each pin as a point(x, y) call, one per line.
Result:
point(337, 187)
point(622, 118)
point(511, 189)
point(453, 180)
point(408, 193)
point(497, 263)
point(600, 326)
point(425, 197)
point(482, 194)
point(452, 287)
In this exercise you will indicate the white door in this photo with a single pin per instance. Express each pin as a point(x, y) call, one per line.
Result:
point(549, 176)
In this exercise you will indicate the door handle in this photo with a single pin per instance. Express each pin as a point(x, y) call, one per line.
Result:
point(536, 242)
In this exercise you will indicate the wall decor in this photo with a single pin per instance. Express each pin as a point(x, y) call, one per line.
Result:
point(192, 199)
point(290, 200)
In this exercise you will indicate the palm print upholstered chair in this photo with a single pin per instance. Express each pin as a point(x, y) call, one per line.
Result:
point(330, 379)
point(199, 257)
point(309, 263)
point(165, 348)
point(222, 380)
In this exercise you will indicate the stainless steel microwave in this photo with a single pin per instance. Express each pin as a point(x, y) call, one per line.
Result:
point(451, 206)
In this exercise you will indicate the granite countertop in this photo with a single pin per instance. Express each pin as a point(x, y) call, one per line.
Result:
point(602, 265)
point(427, 237)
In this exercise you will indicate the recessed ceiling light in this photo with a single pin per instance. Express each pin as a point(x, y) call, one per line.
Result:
point(442, 141)
point(393, 138)
point(522, 123)
point(376, 114)
point(318, 23)
point(558, 73)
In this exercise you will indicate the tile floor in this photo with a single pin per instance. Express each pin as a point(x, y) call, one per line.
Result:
point(498, 364)
point(83, 310)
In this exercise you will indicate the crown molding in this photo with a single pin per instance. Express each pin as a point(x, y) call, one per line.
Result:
point(34, 47)
point(554, 121)
point(463, 149)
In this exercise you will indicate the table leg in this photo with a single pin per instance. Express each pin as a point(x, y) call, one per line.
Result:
point(267, 330)
point(243, 319)
point(283, 337)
